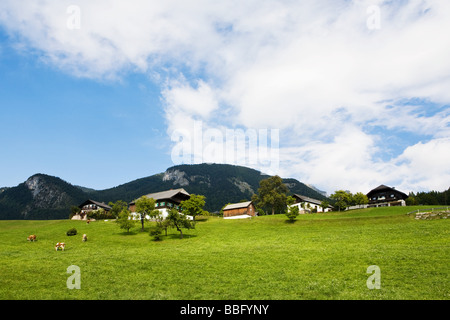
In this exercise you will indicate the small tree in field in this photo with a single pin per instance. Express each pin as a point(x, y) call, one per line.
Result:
point(292, 211)
point(124, 220)
point(146, 206)
point(179, 221)
point(156, 233)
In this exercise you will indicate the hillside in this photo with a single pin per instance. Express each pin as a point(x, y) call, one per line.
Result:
point(219, 183)
point(46, 197)
point(40, 197)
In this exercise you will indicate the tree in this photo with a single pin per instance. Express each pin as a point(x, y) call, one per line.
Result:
point(360, 199)
point(179, 221)
point(74, 210)
point(343, 199)
point(292, 211)
point(124, 221)
point(146, 207)
point(117, 207)
point(324, 204)
point(194, 205)
point(411, 200)
point(156, 233)
point(272, 194)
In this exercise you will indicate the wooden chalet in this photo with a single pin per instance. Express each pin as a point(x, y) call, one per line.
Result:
point(239, 209)
point(307, 204)
point(90, 205)
point(384, 196)
point(165, 200)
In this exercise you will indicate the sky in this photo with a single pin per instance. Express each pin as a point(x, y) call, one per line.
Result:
point(339, 94)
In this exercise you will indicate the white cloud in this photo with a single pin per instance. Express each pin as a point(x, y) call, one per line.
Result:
point(425, 165)
point(311, 69)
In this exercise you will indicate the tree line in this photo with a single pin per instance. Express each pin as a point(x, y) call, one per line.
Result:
point(429, 198)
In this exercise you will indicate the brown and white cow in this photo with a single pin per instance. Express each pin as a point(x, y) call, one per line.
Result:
point(31, 237)
point(84, 237)
point(60, 245)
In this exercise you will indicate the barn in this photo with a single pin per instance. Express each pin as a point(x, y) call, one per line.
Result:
point(241, 209)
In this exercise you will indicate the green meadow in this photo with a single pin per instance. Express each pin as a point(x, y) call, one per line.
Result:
point(320, 256)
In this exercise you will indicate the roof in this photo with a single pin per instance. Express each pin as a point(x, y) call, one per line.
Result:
point(237, 205)
point(307, 199)
point(168, 194)
point(382, 187)
point(98, 204)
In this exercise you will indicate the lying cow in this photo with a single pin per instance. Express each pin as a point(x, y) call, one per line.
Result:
point(59, 245)
point(84, 237)
point(31, 237)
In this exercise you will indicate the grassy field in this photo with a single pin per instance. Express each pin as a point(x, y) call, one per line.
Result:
point(320, 256)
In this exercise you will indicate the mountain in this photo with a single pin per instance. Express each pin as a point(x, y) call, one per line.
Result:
point(46, 197)
point(40, 197)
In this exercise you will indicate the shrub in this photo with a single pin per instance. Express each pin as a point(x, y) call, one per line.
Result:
point(292, 213)
point(71, 232)
point(156, 233)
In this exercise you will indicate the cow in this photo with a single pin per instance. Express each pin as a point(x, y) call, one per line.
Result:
point(59, 245)
point(31, 237)
point(84, 237)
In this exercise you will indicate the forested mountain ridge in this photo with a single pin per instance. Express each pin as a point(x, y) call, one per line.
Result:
point(47, 197)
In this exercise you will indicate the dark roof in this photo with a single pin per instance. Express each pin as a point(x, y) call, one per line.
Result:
point(382, 187)
point(168, 194)
point(98, 204)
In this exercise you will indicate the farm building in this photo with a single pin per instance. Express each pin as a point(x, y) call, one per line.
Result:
point(307, 204)
point(165, 200)
point(90, 205)
point(384, 196)
point(242, 209)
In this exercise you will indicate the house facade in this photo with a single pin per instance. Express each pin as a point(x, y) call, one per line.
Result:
point(239, 209)
point(307, 205)
point(88, 206)
point(165, 200)
point(384, 196)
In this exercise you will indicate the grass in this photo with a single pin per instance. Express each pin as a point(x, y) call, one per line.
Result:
point(320, 256)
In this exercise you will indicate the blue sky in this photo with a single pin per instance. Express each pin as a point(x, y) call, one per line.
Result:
point(98, 92)
point(98, 133)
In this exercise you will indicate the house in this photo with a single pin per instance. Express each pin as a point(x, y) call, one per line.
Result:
point(90, 205)
point(239, 210)
point(384, 196)
point(165, 200)
point(307, 204)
